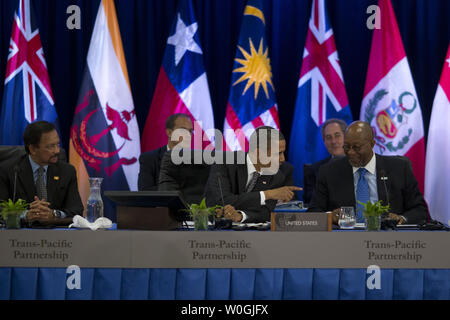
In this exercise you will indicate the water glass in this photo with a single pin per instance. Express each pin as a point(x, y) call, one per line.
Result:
point(347, 218)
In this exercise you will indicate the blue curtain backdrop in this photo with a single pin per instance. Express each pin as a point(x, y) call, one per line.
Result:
point(144, 25)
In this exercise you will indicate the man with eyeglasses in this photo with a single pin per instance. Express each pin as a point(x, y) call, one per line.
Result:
point(365, 176)
point(48, 185)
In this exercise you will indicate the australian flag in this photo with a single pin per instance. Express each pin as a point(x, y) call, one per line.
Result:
point(27, 95)
point(321, 93)
point(252, 95)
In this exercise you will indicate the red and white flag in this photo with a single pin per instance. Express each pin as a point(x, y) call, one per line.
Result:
point(437, 172)
point(182, 85)
point(390, 102)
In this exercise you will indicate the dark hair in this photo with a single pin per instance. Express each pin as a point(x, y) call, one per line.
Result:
point(34, 131)
point(170, 122)
point(340, 122)
point(270, 131)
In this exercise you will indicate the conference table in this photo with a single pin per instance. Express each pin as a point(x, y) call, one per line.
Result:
point(223, 265)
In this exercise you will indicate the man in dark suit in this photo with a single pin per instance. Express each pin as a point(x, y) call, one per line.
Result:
point(150, 162)
point(189, 176)
point(363, 174)
point(251, 185)
point(49, 185)
point(333, 138)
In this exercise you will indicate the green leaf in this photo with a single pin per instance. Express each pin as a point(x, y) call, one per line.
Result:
point(9, 206)
point(196, 210)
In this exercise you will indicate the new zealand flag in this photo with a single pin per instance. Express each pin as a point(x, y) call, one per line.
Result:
point(27, 94)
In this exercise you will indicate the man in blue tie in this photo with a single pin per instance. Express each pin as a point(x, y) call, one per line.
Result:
point(363, 175)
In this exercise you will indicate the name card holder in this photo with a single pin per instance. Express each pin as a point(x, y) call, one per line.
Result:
point(301, 221)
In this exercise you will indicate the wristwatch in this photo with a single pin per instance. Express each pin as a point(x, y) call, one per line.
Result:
point(56, 213)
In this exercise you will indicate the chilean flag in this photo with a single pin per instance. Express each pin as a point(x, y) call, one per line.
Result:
point(104, 137)
point(321, 93)
point(252, 97)
point(27, 94)
point(390, 102)
point(182, 85)
point(437, 171)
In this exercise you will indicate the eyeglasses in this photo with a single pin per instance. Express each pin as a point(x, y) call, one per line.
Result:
point(355, 148)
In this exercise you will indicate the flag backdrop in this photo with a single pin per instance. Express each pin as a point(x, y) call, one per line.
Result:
point(390, 102)
point(27, 95)
point(104, 133)
point(437, 171)
point(182, 85)
point(251, 103)
point(321, 93)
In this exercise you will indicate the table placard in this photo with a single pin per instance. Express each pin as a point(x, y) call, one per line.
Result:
point(301, 221)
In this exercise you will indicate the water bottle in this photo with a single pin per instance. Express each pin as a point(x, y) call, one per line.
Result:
point(94, 207)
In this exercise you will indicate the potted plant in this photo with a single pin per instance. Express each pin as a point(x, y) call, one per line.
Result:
point(200, 214)
point(372, 213)
point(11, 212)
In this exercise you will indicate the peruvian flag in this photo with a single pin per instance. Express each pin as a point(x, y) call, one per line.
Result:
point(390, 102)
point(437, 173)
point(182, 85)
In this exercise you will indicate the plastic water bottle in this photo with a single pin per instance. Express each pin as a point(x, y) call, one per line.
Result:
point(94, 206)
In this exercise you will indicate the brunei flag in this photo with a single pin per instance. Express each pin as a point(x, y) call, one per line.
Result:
point(104, 137)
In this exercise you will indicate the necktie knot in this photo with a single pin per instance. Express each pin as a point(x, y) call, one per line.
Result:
point(362, 171)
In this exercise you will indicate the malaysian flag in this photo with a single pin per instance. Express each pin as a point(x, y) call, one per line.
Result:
point(321, 93)
point(27, 94)
point(252, 96)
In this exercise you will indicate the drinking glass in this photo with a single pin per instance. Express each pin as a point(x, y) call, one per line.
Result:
point(347, 218)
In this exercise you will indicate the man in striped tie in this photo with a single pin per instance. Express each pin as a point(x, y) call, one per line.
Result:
point(48, 185)
point(363, 175)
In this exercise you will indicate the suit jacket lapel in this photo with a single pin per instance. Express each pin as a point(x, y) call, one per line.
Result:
point(381, 171)
point(347, 185)
point(161, 152)
point(25, 176)
point(242, 175)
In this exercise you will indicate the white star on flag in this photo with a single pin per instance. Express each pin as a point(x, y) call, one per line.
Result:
point(183, 39)
point(448, 60)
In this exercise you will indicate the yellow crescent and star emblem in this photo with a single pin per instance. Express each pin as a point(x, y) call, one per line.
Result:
point(255, 64)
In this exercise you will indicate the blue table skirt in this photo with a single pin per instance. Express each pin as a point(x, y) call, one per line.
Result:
point(223, 284)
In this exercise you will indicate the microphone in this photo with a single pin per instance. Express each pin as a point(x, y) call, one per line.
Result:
point(16, 171)
point(221, 193)
point(222, 223)
point(383, 178)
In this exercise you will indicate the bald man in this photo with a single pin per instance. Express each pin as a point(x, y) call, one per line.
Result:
point(363, 175)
